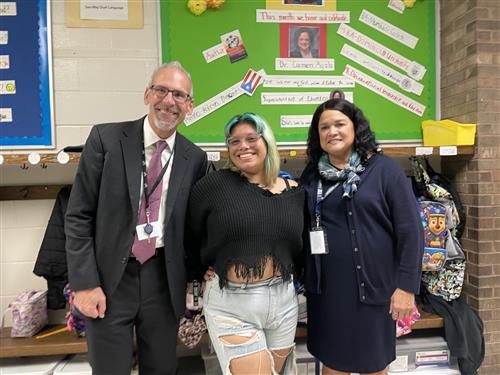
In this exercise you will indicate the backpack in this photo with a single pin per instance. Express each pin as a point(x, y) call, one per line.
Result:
point(433, 216)
point(447, 184)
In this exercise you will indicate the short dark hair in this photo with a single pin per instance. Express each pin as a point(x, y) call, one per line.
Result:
point(364, 139)
point(307, 30)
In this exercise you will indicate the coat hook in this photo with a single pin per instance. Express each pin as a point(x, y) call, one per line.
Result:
point(24, 166)
point(43, 165)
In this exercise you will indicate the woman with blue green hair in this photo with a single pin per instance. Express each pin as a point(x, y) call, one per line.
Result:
point(246, 223)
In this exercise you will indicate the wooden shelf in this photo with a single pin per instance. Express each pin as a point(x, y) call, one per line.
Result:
point(60, 343)
point(69, 343)
point(299, 152)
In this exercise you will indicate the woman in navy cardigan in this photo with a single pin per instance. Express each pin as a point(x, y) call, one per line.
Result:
point(364, 262)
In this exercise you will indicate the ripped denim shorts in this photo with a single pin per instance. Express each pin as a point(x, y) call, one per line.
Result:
point(266, 312)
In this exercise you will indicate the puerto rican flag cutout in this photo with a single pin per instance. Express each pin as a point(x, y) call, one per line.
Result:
point(251, 81)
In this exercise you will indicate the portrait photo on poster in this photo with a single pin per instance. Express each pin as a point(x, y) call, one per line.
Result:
point(233, 44)
point(303, 41)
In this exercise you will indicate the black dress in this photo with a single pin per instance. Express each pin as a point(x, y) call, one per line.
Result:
point(376, 245)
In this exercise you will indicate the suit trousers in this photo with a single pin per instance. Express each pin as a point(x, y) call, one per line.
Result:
point(141, 300)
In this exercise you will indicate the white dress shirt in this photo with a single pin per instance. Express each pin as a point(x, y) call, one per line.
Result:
point(150, 138)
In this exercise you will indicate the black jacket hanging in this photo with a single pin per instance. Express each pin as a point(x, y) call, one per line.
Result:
point(51, 260)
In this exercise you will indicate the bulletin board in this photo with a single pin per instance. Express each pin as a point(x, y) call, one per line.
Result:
point(381, 53)
point(25, 75)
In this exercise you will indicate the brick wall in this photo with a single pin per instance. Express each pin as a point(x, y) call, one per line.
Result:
point(470, 93)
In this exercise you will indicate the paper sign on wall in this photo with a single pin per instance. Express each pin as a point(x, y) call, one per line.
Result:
point(213, 53)
point(384, 91)
point(388, 29)
point(369, 63)
point(307, 81)
point(412, 68)
point(305, 64)
point(283, 16)
point(251, 81)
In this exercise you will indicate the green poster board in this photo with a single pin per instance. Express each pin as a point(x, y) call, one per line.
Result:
point(185, 36)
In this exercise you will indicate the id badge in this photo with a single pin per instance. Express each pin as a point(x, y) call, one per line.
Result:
point(318, 241)
point(142, 232)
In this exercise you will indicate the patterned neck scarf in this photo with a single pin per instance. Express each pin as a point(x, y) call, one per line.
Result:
point(349, 174)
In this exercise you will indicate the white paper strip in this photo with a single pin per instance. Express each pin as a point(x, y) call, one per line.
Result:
point(283, 98)
point(305, 64)
point(295, 121)
point(214, 103)
point(423, 150)
point(397, 6)
point(384, 91)
point(4, 62)
point(307, 81)
point(4, 37)
point(414, 69)
point(448, 150)
point(7, 87)
point(293, 16)
point(5, 114)
point(8, 9)
point(115, 10)
point(213, 155)
point(214, 53)
point(293, 98)
point(388, 29)
point(366, 61)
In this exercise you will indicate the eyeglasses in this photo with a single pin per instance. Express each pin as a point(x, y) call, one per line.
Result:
point(161, 92)
point(250, 139)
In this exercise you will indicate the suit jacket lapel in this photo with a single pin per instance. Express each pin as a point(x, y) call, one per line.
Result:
point(179, 166)
point(131, 150)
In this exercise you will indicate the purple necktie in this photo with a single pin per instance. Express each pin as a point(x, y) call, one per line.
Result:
point(145, 249)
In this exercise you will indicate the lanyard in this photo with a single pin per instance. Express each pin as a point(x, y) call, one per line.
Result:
point(147, 193)
point(320, 198)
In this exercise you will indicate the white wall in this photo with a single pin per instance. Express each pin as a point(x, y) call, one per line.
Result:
point(99, 76)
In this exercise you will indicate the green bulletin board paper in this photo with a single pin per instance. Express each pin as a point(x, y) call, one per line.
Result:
point(185, 36)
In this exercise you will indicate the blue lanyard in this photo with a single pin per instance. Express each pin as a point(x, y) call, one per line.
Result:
point(320, 198)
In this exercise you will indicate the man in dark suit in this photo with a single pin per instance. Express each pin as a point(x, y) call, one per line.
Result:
point(116, 289)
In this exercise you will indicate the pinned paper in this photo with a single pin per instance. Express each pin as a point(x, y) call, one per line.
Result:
point(305, 64)
point(396, 5)
point(4, 62)
point(8, 9)
point(5, 114)
point(7, 87)
point(307, 81)
point(388, 29)
point(214, 52)
point(384, 91)
point(369, 63)
point(296, 98)
point(412, 68)
point(233, 44)
point(295, 121)
point(283, 16)
point(4, 37)
point(251, 81)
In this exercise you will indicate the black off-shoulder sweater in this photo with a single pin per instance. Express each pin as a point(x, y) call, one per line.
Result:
point(233, 221)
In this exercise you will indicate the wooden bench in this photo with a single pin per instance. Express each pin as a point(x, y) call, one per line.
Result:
point(68, 343)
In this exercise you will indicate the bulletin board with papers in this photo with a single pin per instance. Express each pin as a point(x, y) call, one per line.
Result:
point(25, 76)
point(281, 58)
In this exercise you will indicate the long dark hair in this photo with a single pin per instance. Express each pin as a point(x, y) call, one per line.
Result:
point(364, 139)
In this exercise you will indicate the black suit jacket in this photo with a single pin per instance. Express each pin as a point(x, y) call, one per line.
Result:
point(102, 210)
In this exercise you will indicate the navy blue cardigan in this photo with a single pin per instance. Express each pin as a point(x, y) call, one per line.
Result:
point(386, 230)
